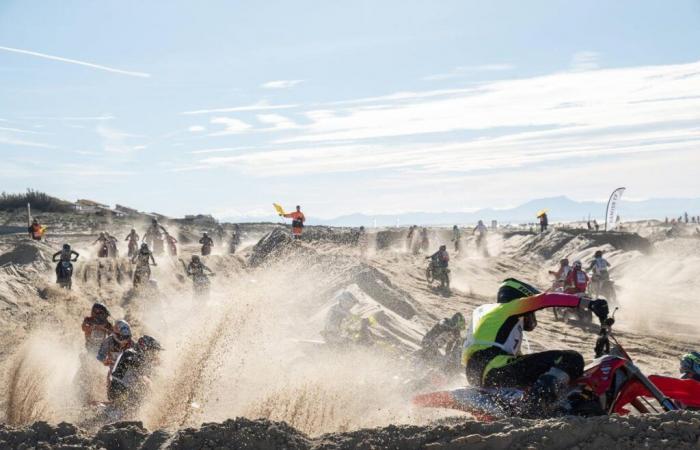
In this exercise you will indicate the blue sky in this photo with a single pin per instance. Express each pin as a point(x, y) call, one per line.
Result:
point(348, 106)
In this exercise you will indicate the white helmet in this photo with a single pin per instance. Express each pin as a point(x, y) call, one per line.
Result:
point(121, 330)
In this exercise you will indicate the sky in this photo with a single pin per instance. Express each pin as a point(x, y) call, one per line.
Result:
point(224, 107)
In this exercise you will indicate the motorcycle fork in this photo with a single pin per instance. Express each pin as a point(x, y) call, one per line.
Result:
point(635, 373)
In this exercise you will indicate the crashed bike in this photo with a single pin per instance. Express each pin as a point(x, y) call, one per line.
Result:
point(610, 384)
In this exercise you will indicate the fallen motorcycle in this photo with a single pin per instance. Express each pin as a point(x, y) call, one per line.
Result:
point(611, 384)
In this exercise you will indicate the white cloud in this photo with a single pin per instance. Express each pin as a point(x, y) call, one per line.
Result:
point(259, 106)
point(75, 61)
point(196, 129)
point(9, 140)
point(640, 113)
point(280, 84)
point(115, 141)
point(585, 60)
point(465, 70)
point(231, 126)
point(72, 118)
point(601, 98)
point(218, 150)
point(277, 121)
point(19, 130)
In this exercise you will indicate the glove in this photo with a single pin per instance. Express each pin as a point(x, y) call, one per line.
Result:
point(599, 308)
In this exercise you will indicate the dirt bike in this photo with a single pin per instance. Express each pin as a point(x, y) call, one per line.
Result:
point(142, 275)
point(103, 252)
point(610, 384)
point(64, 274)
point(206, 250)
point(602, 286)
point(441, 274)
point(201, 284)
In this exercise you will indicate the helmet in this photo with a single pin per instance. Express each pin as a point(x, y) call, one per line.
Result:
point(443, 247)
point(512, 289)
point(206, 234)
point(99, 309)
point(454, 227)
point(133, 230)
point(577, 264)
point(457, 320)
point(121, 330)
point(195, 258)
point(66, 247)
point(154, 221)
point(102, 234)
point(564, 262)
point(481, 222)
point(147, 343)
point(144, 246)
point(598, 254)
point(690, 363)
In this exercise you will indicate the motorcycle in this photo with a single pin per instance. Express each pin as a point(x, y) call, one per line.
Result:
point(103, 252)
point(611, 384)
point(64, 274)
point(441, 274)
point(603, 287)
point(201, 284)
point(142, 275)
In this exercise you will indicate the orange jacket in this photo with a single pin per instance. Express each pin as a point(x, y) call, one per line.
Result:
point(298, 220)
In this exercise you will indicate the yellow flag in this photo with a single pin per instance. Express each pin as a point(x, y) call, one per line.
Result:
point(278, 208)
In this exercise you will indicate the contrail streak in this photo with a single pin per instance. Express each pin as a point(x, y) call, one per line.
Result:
point(74, 61)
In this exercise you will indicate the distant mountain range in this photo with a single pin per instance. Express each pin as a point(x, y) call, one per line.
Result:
point(561, 209)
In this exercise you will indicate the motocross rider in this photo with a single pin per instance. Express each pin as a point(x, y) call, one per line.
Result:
point(480, 231)
point(562, 273)
point(599, 268)
point(207, 244)
point(132, 370)
point(690, 366)
point(334, 331)
point(66, 255)
point(133, 239)
point(456, 237)
point(143, 261)
point(577, 280)
point(96, 327)
point(154, 236)
point(115, 343)
point(492, 349)
point(196, 267)
point(441, 260)
point(103, 240)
